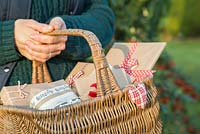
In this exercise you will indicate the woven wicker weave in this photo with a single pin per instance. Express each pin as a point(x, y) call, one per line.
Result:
point(111, 112)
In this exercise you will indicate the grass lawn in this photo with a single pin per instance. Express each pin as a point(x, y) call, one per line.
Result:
point(186, 54)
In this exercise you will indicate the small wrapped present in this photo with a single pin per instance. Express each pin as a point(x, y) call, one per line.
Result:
point(83, 76)
point(146, 53)
point(21, 95)
point(17, 95)
point(53, 97)
point(84, 84)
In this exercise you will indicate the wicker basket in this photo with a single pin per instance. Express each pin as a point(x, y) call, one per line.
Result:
point(111, 112)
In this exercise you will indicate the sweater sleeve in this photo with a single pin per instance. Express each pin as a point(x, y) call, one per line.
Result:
point(8, 52)
point(97, 18)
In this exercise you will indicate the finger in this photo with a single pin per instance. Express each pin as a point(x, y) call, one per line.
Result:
point(41, 27)
point(42, 48)
point(28, 56)
point(19, 44)
point(25, 54)
point(48, 39)
point(58, 23)
point(41, 57)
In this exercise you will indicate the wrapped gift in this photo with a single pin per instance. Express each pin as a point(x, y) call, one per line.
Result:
point(84, 84)
point(53, 97)
point(16, 95)
point(146, 54)
point(21, 95)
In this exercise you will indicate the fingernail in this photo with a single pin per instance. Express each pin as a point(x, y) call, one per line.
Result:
point(56, 25)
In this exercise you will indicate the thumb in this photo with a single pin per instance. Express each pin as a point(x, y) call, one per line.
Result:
point(41, 27)
point(57, 23)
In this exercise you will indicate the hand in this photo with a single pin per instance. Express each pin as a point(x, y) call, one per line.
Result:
point(24, 28)
point(43, 47)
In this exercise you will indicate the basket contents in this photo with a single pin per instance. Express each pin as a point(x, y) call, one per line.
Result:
point(41, 96)
point(129, 63)
point(55, 94)
point(112, 109)
point(54, 97)
point(84, 83)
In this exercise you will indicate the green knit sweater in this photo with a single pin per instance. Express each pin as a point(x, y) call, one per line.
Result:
point(97, 17)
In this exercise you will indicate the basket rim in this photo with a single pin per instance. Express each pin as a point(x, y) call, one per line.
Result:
point(27, 110)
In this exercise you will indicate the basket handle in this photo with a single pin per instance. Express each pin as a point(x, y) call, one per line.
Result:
point(106, 83)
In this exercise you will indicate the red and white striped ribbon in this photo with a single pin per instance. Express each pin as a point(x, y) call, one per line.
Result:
point(129, 64)
point(138, 95)
point(73, 78)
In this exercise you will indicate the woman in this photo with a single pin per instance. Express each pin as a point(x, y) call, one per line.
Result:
point(22, 40)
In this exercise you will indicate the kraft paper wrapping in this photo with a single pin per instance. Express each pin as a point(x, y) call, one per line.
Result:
point(146, 53)
point(10, 96)
point(83, 84)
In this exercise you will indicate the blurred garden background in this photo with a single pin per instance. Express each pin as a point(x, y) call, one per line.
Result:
point(176, 22)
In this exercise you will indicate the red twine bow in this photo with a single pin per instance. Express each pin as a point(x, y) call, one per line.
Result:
point(23, 94)
point(138, 95)
point(128, 64)
point(73, 78)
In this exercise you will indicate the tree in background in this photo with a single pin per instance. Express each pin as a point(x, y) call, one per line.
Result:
point(138, 19)
point(191, 19)
point(141, 20)
point(170, 26)
point(182, 20)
